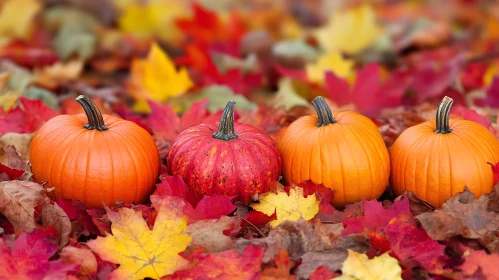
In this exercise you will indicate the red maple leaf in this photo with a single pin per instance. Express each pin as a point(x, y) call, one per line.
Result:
point(76, 212)
point(29, 258)
point(11, 173)
point(165, 125)
point(369, 94)
point(394, 229)
point(492, 98)
point(175, 186)
point(480, 264)
point(225, 265)
point(27, 117)
point(205, 72)
point(207, 27)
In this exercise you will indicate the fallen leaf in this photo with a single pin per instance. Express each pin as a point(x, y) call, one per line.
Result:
point(350, 31)
point(27, 117)
point(82, 257)
point(332, 61)
point(209, 233)
point(297, 238)
point(322, 273)
point(226, 265)
point(142, 252)
point(20, 141)
point(154, 18)
point(175, 186)
point(29, 258)
point(16, 19)
point(334, 257)
point(475, 261)
point(157, 79)
point(212, 207)
point(359, 266)
point(281, 268)
point(288, 207)
point(463, 215)
point(19, 203)
point(413, 247)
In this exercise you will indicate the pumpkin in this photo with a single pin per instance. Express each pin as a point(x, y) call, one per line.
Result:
point(439, 158)
point(225, 158)
point(343, 151)
point(105, 160)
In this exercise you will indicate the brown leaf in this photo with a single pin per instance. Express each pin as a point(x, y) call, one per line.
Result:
point(333, 258)
point(21, 142)
point(417, 205)
point(81, 256)
point(464, 215)
point(494, 199)
point(53, 215)
point(297, 237)
point(209, 234)
point(18, 200)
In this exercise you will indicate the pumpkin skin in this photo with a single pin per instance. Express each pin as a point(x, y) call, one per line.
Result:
point(115, 160)
point(237, 160)
point(343, 151)
point(438, 158)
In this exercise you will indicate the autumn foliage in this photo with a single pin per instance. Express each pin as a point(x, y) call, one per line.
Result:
point(273, 140)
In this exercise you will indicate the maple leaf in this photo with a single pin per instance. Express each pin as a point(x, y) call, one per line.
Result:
point(23, 202)
point(82, 257)
point(368, 94)
point(288, 207)
point(480, 261)
point(359, 266)
point(175, 186)
point(350, 31)
point(16, 18)
point(332, 61)
point(29, 258)
point(226, 265)
point(153, 18)
point(156, 78)
point(207, 27)
point(142, 252)
point(27, 117)
point(464, 215)
point(210, 234)
point(281, 270)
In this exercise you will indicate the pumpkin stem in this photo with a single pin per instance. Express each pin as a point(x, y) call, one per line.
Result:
point(323, 111)
point(442, 117)
point(94, 116)
point(226, 126)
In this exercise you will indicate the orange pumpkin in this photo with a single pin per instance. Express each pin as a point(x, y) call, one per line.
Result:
point(343, 151)
point(439, 158)
point(105, 160)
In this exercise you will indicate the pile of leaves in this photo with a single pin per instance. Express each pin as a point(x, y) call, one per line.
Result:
point(168, 65)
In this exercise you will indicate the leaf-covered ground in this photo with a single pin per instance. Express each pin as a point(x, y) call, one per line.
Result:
point(168, 65)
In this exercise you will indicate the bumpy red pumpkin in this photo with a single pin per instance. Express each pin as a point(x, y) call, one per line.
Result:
point(238, 160)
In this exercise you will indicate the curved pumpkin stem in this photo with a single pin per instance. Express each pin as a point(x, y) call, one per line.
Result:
point(226, 126)
point(442, 117)
point(323, 111)
point(94, 116)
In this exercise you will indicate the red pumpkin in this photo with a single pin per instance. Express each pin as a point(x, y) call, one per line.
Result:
point(223, 158)
point(95, 158)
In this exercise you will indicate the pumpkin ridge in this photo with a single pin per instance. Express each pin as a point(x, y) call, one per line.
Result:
point(484, 161)
point(111, 159)
point(292, 155)
point(404, 173)
point(361, 144)
point(70, 150)
point(125, 141)
point(253, 154)
point(201, 148)
point(312, 154)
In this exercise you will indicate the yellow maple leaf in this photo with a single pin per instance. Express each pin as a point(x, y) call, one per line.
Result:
point(491, 73)
point(152, 18)
point(16, 19)
point(292, 207)
point(350, 31)
point(157, 78)
point(141, 252)
point(332, 61)
point(359, 266)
